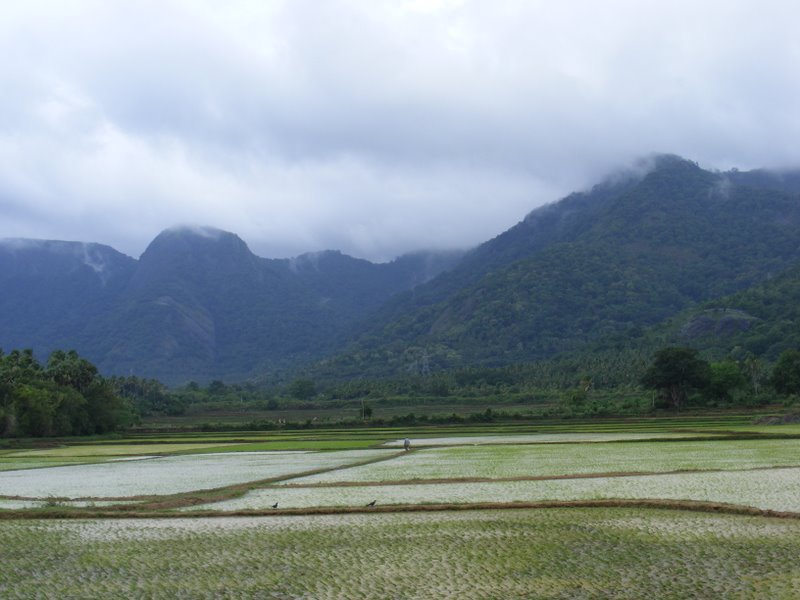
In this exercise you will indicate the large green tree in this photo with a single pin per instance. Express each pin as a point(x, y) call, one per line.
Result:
point(675, 372)
point(69, 369)
point(786, 373)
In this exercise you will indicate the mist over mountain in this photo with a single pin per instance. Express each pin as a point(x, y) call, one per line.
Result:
point(596, 269)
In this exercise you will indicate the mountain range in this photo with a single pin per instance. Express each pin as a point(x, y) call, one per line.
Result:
point(597, 269)
point(197, 305)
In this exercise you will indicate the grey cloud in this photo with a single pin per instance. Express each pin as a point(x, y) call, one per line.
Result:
point(372, 127)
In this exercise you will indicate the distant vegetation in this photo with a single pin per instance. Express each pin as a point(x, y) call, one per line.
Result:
point(680, 379)
point(66, 396)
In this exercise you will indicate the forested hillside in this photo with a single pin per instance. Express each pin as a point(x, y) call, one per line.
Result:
point(613, 260)
point(763, 321)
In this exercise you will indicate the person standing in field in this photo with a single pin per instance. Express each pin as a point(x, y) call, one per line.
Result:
point(406, 444)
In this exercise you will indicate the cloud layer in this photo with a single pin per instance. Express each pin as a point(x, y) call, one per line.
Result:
point(375, 127)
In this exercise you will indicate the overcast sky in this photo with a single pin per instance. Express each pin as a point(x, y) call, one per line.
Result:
point(373, 127)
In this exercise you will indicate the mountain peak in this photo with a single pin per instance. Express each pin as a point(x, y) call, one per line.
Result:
point(203, 231)
point(668, 161)
point(197, 236)
point(196, 241)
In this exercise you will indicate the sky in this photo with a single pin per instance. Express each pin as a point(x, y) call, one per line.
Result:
point(373, 127)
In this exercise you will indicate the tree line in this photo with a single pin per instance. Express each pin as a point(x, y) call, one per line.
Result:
point(65, 396)
point(681, 377)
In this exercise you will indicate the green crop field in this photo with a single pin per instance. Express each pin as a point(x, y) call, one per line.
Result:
point(549, 553)
point(768, 489)
point(285, 514)
point(104, 450)
point(545, 438)
point(531, 460)
point(173, 474)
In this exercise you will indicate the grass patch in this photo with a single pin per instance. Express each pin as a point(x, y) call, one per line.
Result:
point(105, 449)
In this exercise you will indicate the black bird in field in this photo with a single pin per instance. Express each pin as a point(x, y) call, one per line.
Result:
point(275, 505)
point(372, 503)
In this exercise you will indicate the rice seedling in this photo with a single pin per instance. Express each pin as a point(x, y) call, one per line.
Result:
point(172, 474)
point(539, 438)
point(554, 553)
point(537, 460)
point(769, 489)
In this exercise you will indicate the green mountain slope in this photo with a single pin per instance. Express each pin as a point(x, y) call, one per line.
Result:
point(763, 321)
point(639, 253)
point(758, 322)
point(554, 223)
point(51, 290)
